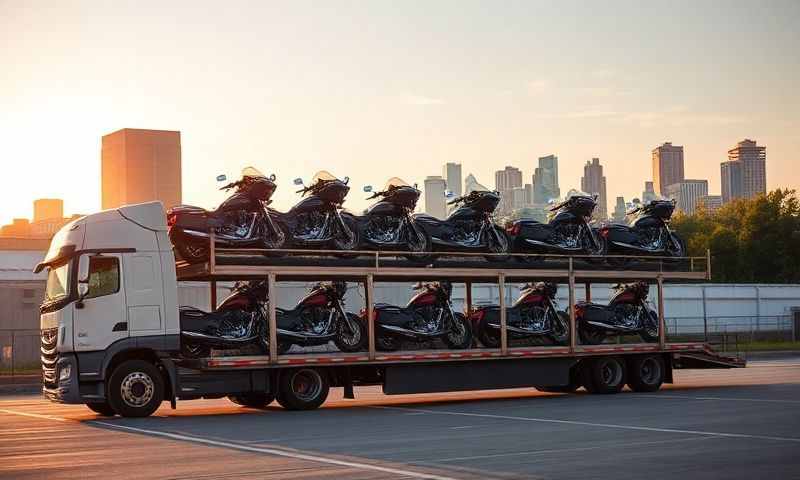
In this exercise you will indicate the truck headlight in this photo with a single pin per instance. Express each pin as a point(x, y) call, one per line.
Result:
point(65, 372)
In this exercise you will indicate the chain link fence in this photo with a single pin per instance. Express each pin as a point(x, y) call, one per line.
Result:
point(19, 353)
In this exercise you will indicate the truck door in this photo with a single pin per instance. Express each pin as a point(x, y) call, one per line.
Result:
point(101, 317)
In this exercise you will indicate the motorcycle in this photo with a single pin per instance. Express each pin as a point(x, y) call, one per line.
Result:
point(533, 315)
point(242, 220)
point(318, 318)
point(648, 234)
point(567, 231)
point(628, 312)
point(429, 315)
point(388, 224)
point(469, 227)
point(317, 221)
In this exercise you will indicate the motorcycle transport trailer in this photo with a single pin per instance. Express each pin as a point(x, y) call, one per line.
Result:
point(122, 361)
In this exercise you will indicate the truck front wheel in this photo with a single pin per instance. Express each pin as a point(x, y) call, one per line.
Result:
point(302, 389)
point(136, 389)
point(252, 400)
point(103, 408)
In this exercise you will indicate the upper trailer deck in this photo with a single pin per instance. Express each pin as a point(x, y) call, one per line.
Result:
point(236, 264)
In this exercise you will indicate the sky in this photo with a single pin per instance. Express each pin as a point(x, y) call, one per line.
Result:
point(374, 89)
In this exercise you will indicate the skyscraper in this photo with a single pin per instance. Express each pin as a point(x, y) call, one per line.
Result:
point(47, 209)
point(687, 193)
point(506, 181)
point(752, 160)
point(594, 182)
point(648, 194)
point(667, 166)
point(731, 179)
point(452, 175)
point(435, 201)
point(620, 209)
point(545, 180)
point(140, 166)
point(709, 203)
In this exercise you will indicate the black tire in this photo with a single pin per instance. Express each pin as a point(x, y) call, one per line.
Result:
point(488, 336)
point(589, 335)
point(302, 389)
point(388, 343)
point(604, 375)
point(422, 247)
point(136, 389)
point(194, 350)
point(649, 332)
point(347, 341)
point(460, 335)
point(253, 399)
point(350, 242)
point(278, 241)
point(284, 347)
point(678, 247)
point(504, 246)
point(599, 251)
point(560, 335)
point(103, 408)
point(646, 373)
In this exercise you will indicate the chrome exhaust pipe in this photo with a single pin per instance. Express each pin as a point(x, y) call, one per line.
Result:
point(411, 333)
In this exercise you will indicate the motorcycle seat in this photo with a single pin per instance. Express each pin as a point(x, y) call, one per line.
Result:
point(195, 320)
point(191, 217)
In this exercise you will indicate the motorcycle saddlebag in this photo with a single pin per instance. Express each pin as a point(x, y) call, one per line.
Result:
point(530, 229)
point(595, 312)
point(491, 316)
point(392, 315)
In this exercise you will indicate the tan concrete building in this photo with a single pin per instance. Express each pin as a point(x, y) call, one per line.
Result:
point(667, 166)
point(141, 166)
point(745, 173)
point(594, 182)
point(687, 194)
point(47, 209)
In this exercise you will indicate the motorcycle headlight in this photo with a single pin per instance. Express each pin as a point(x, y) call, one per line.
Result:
point(65, 372)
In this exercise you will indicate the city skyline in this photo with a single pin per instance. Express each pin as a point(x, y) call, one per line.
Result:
point(398, 104)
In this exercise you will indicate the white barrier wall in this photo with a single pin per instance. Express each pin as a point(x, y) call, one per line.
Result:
point(724, 307)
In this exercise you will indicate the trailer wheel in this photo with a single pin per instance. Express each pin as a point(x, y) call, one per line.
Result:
point(604, 375)
point(103, 408)
point(136, 389)
point(253, 400)
point(646, 373)
point(302, 389)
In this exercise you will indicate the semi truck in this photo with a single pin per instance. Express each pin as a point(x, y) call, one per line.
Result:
point(111, 336)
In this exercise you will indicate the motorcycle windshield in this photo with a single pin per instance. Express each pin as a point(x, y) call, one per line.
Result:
point(252, 172)
point(395, 182)
point(322, 176)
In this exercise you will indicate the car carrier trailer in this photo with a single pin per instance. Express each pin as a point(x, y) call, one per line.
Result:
point(117, 348)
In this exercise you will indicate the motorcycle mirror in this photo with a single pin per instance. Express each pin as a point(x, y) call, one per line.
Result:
point(272, 177)
point(221, 178)
point(298, 181)
point(367, 188)
point(448, 193)
point(416, 186)
point(346, 180)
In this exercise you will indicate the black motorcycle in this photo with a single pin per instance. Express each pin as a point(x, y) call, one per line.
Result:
point(318, 318)
point(317, 221)
point(648, 234)
point(389, 225)
point(429, 315)
point(242, 220)
point(533, 315)
point(628, 312)
point(567, 231)
point(469, 227)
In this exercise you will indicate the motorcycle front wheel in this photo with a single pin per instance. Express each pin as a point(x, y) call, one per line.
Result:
point(560, 328)
point(499, 245)
point(276, 240)
point(460, 335)
point(591, 336)
point(649, 332)
point(351, 334)
point(597, 251)
point(419, 242)
point(347, 240)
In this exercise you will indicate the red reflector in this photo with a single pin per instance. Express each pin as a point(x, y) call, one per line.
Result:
point(604, 232)
point(514, 229)
point(171, 219)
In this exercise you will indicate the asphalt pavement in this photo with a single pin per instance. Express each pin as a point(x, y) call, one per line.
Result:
point(742, 423)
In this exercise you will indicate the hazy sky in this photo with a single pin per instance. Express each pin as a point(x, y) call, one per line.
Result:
point(376, 89)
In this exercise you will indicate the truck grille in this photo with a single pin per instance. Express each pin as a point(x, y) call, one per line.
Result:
point(49, 356)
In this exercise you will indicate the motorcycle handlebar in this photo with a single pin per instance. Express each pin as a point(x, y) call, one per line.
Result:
point(454, 201)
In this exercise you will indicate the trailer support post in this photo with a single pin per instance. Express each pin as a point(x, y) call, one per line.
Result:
point(588, 289)
point(273, 321)
point(662, 324)
point(501, 282)
point(213, 295)
point(573, 341)
point(212, 252)
point(370, 300)
point(467, 298)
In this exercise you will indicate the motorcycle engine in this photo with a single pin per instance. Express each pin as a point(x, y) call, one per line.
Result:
point(427, 319)
point(383, 229)
point(533, 319)
point(627, 315)
point(316, 320)
point(236, 224)
point(650, 238)
point(567, 235)
point(310, 225)
point(467, 232)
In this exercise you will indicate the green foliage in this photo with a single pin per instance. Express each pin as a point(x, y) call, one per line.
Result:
point(751, 241)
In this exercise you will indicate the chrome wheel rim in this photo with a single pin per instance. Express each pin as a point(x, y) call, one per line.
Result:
point(137, 389)
point(457, 333)
point(350, 334)
point(611, 373)
point(306, 385)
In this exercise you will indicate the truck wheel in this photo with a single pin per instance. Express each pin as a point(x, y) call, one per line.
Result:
point(604, 375)
point(647, 373)
point(302, 389)
point(253, 400)
point(103, 408)
point(136, 389)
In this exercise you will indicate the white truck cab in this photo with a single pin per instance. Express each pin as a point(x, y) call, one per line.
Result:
point(111, 297)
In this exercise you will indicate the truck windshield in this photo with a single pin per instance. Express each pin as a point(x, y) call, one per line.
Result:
point(57, 283)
